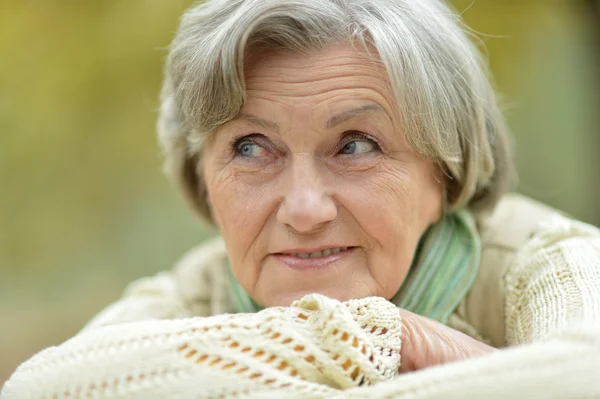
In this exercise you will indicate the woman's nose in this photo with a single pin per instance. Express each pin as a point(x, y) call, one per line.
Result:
point(306, 205)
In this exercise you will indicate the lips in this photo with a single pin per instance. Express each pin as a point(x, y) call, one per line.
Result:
point(317, 254)
point(313, 259)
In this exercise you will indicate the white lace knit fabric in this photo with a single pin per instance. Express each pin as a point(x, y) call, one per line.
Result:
point(311, 349)
point(321, 348)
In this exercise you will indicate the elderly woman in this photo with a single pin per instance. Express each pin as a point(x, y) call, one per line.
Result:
point(352, 155)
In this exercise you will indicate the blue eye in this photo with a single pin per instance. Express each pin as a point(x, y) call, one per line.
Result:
point(246, 147)
point(358, 147)
point(249, 149)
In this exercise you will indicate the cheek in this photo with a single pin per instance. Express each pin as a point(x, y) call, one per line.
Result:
point(236, 208)
point(383, 202)
point(242, 211)
point(408, 194)
point(392, 208)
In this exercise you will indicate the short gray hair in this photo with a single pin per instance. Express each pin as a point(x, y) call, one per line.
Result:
point(440, 83)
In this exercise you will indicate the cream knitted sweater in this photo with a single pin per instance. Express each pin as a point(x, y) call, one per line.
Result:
point(538, 293)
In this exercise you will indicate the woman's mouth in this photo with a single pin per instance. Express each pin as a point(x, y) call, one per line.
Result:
point(318, 254)
point(302, 260)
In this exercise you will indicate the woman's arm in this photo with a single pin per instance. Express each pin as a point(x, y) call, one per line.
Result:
point(310, 349)
point(554, 283)
point(427, 343)
point(563, 367)
point(552, 318)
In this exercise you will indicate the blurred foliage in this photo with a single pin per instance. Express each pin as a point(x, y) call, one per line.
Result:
point(84, 208)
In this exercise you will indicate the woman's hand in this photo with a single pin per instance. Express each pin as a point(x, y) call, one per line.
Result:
point(427, 343)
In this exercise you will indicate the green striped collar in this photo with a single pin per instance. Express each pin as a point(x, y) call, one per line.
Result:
point(441, 275)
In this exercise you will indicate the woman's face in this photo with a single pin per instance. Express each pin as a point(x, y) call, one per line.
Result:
point(313, 185)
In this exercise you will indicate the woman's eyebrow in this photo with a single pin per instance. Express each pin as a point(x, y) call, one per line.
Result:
point(354, 112)
point(258, 121)
point(331, 122)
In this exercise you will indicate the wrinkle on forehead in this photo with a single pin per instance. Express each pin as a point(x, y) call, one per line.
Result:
point(329, 77)
point(332, 122)
point(329, 69)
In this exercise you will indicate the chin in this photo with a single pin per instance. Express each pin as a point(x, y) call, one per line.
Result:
point(287, 298)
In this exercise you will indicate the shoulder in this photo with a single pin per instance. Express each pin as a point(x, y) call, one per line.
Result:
point(513, 222)
point(516, 231)
point(199, 279)
point(202, 279)
point(520, 228)
point(553, 282)
point(562, 249)
point(196, 286)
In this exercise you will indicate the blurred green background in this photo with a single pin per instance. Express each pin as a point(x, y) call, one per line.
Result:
point(84, 207)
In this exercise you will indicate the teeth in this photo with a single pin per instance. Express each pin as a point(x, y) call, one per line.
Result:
point(319, 254)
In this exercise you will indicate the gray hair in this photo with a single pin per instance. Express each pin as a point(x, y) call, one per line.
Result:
point(440, 83)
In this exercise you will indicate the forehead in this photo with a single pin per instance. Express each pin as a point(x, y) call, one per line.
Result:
point(338, 72)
